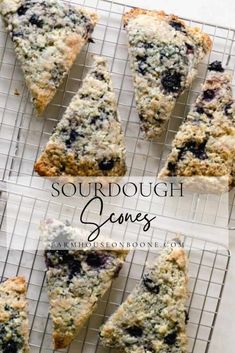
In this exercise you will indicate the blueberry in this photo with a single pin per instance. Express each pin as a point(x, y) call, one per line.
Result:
point(228, 109)
point(209, 94)
point(142, 64)
point(134, 331)
point(22, 10)
point(186, 317)
point(170, 339)
point(198, 150)
point(74, 268)
point(103, 115)
point(89, 30)
point(150, 285)
point(200, 110)
point(148, 45)
point(178, 26)
point(190, 49)
point(10, 347)
point(35, 20)
point(99, 76)
point(216, 66)
point(171, 81)
point(73, 137)
point(96, 260)
point(209, 115)
point(106, 164)
point(171, 166)
point(7, 307)
point(2, 331)
point(73, 16)
point(64, 256)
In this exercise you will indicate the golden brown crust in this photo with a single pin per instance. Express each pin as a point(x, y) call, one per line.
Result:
point(195, 32)
point(53, 159)
point(179, 256)
point(137, 11)
point(16, 284)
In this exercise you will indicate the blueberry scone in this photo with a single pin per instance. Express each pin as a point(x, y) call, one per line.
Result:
point(153, 318)
point(205, 143)
point(164, 55)
point(89, 140)
point(47, 35)
point(76, 279)
point(14, 331)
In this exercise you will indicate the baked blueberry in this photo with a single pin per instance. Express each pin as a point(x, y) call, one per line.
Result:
point(16, 34)
point(216, 66)
point(228, 109)
point(178, 26)
point(106, 164)
point(2, 330)
point(200, 110)
point(74, 268)
point(209, 94)
point(134, 331)
point(10, 347)
point(22, 10)
point(172, 167)
point(189, 48)
point(148, 46)
point(142, 64)
point(96, 260)
point(170, 339)
point(198, 150)
point(171, 81)
point(35, 21)
point(73, 137)
point(99, 76)
point(150, 285)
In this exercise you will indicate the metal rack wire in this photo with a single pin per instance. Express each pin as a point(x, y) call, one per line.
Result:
point(22, 136)
point(207, 270)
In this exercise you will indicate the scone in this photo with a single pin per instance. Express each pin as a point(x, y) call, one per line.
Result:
point(76, 279)
point(153, 318)
point(14, 330)
point(205, 143)
point(164, 55)
point(47, 35)
point(89, 140)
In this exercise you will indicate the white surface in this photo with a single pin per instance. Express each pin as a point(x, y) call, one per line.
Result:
point(221, 13)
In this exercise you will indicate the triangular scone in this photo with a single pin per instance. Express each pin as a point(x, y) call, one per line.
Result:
point(14, 330)
point(89, 140)
point(48, 35)
point(164, 55)
point(153, 318)
point(76, 279)
point(205, 143)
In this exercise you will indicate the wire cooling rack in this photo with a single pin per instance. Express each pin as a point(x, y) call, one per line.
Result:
point(23, 135)
point(207, 270)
